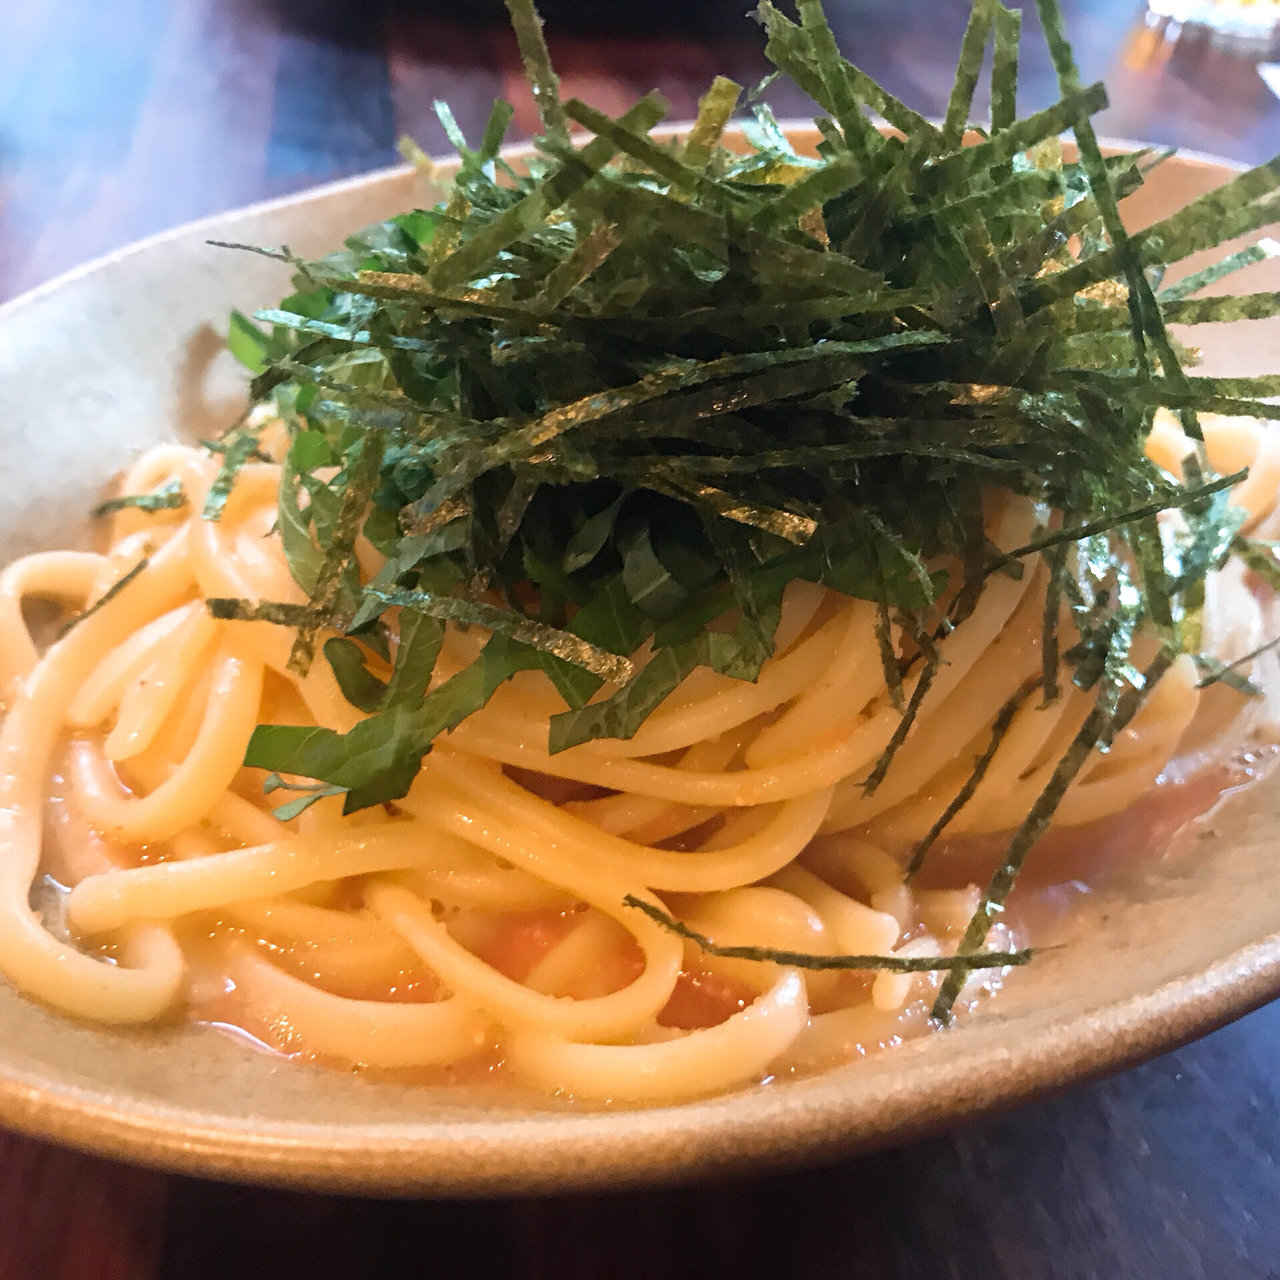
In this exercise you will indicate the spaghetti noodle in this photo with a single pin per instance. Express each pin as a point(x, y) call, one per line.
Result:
point(739, 807)
point(694, 535)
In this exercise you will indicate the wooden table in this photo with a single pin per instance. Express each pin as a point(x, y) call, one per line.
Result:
point(117, 120)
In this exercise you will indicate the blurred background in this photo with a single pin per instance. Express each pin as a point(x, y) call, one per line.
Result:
point(120, 119)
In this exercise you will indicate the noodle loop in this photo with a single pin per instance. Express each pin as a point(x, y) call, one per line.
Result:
point(484, 917)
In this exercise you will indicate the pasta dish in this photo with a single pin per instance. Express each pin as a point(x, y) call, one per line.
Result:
point(634, 576)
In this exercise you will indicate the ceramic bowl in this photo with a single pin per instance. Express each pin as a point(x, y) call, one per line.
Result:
point(126, 352)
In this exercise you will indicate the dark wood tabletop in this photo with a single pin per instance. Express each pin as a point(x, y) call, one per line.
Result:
point(121, 119)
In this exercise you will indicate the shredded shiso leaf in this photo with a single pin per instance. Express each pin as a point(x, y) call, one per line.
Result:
point(620, 397)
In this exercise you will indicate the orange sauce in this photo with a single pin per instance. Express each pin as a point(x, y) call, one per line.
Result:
point(1049, 902)
point(1070, 864)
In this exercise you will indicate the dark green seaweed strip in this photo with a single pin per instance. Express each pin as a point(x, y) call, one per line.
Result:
point(340, 550)
point(762, 372)
point(831, 455)
point(1225, 308)
point(788, 50)
point(1233, 388)
point(1260, 556)
point(328, 329)
point(119, 585)
point(810, 960)
point(1004, 68)
point(536, 635)
point(794, 528)
point(999, 727)
point(715, 110)
point(1246, 203)
point(808, 192)
point(968, 69)
point(590, 253)
point(1233, 262)
point(860, 135)
point(1144, 315)
point(277, 612)
point(990, 202)
point(237, 447)
point(392, 286)
point(527, 24)
point(1222, 670)
point(168, 497)
point(1105, 524)
point(495, 131)
point(662, 161)
point(1072, 108)
point(1099, 722)
point(1050, 623)
point(881, 767)
point(469, 260)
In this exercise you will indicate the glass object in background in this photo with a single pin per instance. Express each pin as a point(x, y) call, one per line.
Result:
point(1250, 28)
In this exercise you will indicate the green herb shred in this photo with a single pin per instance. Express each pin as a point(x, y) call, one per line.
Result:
point(625, 393)
point(168, 497)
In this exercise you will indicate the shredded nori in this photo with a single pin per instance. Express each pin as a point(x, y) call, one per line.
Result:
point(168, 497)
point(814, 961)
point(622, 396)
point(119, 585)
